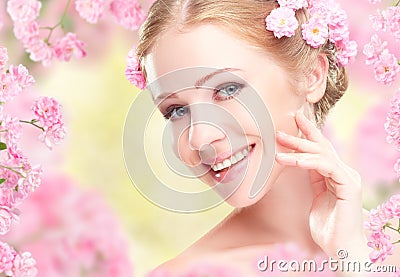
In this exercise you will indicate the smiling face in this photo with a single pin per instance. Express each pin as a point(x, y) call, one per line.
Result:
point(212, 116)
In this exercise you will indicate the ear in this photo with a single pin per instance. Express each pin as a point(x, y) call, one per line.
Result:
point(317, 78)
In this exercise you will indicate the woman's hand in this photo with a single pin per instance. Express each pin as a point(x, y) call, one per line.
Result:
point(336, 216)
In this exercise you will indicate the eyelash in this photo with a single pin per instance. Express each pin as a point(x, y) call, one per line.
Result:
point(170, 110)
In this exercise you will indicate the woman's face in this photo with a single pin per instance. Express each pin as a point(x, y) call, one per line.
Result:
point(213, 131)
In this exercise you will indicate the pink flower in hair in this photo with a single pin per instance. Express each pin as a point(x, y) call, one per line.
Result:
point(90, 10)
point(315, 32)
point(69, 45)
point(386, 68)
point(23, 10)
point(282, 21)
point(133, 72)
point(3, 57)
point(127, 13)
point(293, 4)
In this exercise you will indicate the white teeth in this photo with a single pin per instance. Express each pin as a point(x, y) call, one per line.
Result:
point(233, 160)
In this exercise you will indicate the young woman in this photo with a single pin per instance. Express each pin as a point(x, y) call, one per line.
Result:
point(309, 196)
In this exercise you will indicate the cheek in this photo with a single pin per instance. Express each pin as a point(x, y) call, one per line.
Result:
point(181, 146)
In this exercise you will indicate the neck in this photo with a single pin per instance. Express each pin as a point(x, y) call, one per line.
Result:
point(283, 213)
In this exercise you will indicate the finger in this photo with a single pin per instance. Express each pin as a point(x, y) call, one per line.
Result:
point(297, 144)
point(309, 130)
point(324, 167)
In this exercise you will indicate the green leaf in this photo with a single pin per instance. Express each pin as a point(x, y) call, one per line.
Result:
point(3, 146)
point(2, 180)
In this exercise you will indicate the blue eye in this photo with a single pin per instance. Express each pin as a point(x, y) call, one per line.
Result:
point(176, 112)
point(227, 91)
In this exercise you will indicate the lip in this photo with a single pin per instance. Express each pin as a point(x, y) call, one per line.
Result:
point(233, 171)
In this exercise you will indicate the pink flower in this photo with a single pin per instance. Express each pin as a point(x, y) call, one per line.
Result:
point(39, 51)
point(315, 33)
point(25, 32)
point(47, 111)
point(392, 207)
point(3, 57)
point(382, 247)
point(293, 4)
point(24, 265)
point(127, 13)
point(6, 257)
point(378, 21)
point(373, 49)
point(23, 10)
point(392, 124)
point(21, 75)
point(282, 22)
point(69, 45)
point(133, 72)
point(392, 16)
point(347, 50)
point(90, 10)
point(53, 135)
point(7, 216)
point(386, 68)
point(12, 128)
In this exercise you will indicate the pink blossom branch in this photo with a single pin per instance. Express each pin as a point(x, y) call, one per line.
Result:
point(32, 122)
point(59, 23)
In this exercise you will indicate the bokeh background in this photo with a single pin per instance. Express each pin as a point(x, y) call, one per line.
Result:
point(96, 98)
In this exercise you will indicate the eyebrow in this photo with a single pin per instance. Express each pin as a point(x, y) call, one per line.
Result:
point(200, 82)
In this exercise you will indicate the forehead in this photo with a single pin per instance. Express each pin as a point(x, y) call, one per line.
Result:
point(206, 46)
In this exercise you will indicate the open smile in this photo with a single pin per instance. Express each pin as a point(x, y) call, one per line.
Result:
point(230, 168)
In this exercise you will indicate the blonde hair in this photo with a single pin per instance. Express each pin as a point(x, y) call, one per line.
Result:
point(246, 19)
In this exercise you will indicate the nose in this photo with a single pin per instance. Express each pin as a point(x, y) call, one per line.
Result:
point(204, 128)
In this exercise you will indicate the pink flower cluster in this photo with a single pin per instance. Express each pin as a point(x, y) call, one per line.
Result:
point(378, 223)
point(70, 230)
point(133, 72)
point(15, 264)
point(127, 13)
point(24, 14)
point(392, 127)
point(327, 21)
point(386, 65)
point(47, 112)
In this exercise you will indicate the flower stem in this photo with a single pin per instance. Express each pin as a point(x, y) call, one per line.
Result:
point(387, 226)
point(59, 23)
point(32, 122)
point(12, 169)
point(396, 242)
point(398, 2)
